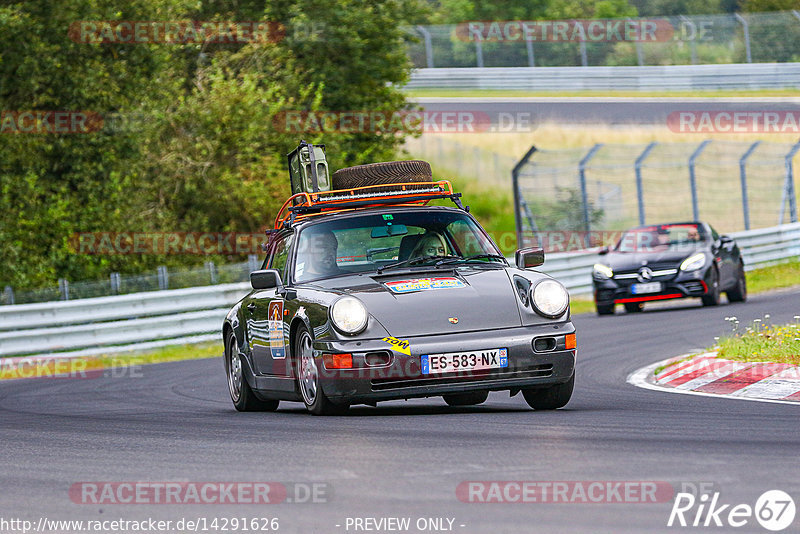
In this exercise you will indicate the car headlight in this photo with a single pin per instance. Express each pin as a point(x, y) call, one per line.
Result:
point(694, 262)
point(550, 299)
point(602, 271)
point(349, 315)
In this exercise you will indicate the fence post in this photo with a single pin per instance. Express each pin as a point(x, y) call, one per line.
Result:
point(743, 179)
point(63, 286)
point(746, 29)
point(788, 189)
point(9, 294)
point(692, 178)
point(584, 57)
point(639, 188)
point(639, 51)
point(163, 277)
point(252, 262)
point(115, 283)
point(212, 272)
point(531, 56)
point(426, 36)
point(584, 194)
point(693, 40)
point(518, 196)
point(479, 52)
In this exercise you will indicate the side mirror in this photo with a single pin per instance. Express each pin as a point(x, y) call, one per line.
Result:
point(529, 257)
point(266, 279)
point(603, 251)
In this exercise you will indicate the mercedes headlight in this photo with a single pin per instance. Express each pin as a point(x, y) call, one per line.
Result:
point(550, 299)
point(694, 262)
point(349, 315)
point(602, 271)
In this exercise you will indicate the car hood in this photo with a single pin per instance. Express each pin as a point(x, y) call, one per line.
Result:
point(423, 302)
point(621, 261)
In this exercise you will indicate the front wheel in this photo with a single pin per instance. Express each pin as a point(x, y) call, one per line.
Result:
point(308, 378)
point(738, 293)
point(550, 398)
point(466, 399)
point(604, 309)
point(242, 396)
point(712, 299)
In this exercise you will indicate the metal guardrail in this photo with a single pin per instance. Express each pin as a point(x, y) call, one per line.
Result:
point(647, 78)
point(114, 322)
point(761, 247)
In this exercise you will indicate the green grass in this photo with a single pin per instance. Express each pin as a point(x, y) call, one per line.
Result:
point(762, 343)
point(774, 277)
point(478, 93)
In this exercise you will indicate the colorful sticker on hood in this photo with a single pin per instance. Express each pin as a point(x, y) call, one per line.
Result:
point(276, 345)
point(422, 284)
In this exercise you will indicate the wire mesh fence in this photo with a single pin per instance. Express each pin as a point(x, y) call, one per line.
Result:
point(675, 40)
point(732, 185)
point(117, 284)
point(464, 160)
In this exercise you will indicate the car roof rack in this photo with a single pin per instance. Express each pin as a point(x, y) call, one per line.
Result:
point(304, 205)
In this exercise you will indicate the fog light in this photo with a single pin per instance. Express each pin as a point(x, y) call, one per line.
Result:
point(338, 361)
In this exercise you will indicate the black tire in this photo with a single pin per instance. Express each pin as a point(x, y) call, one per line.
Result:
point(633, 307)
point(713, 298)
point(466, 399)
point(738, 293)
point(604, 309)
point(388, 172)
point(316, 403)
point(242, 396)
point(550, 398)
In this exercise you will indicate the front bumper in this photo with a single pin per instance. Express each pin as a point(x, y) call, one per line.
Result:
point(401, 378)
point(690, 284)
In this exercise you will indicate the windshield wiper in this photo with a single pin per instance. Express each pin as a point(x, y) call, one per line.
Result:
point(414, 261)
point(455, 259)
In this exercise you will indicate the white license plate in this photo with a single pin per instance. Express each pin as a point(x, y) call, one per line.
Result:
point(652, 287)
point(464, 361)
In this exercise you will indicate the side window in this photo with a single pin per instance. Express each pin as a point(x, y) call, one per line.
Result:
point(714, 235)
point(280, 253)
point(466, 241)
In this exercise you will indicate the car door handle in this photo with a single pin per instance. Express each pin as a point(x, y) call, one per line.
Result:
point(251, 306)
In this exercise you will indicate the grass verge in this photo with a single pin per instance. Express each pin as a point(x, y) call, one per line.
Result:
point(767, 343)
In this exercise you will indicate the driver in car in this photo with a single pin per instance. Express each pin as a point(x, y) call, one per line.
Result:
point(430, 244)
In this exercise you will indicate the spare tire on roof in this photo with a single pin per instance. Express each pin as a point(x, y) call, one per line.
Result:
point(388, 172)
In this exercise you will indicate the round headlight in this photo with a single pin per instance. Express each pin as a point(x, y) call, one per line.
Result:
point(550, 298)
point(349, 315)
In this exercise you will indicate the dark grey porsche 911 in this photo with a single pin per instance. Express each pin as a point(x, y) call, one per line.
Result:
point(395, 300)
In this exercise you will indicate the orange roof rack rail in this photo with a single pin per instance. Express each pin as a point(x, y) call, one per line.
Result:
point(303, 205)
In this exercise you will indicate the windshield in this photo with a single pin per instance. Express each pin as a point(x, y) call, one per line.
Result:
point(662, 237)
point(388, 240)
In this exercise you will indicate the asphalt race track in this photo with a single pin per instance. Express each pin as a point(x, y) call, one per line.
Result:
point(175, 422)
